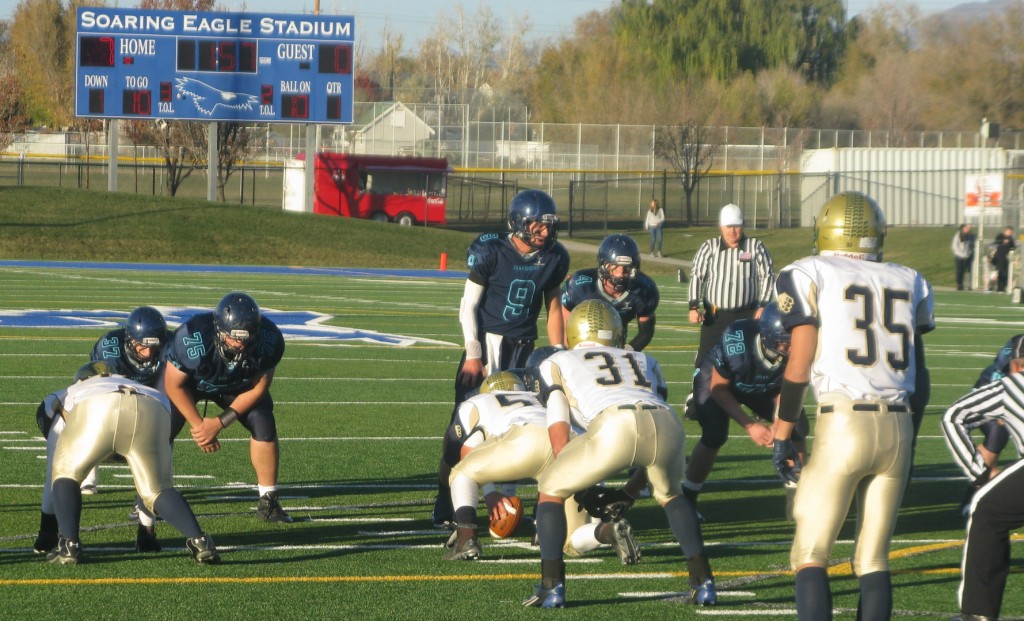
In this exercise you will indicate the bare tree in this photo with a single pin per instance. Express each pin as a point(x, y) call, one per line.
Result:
point(236, 143)
point(692, 144)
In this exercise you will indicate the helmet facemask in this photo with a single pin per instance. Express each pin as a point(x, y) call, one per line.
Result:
point(523, 232)
point(237, 323)
point(240, 340)
point(622, 283)
point(137, 360)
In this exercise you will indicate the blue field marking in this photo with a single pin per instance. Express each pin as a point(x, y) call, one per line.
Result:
point(239, 269)
point(295, 325)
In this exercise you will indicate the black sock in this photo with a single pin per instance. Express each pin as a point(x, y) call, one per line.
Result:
point(552, 573)
point(682, 519)
point(47, 523)
point(465, 517)
point(875, 596)
point(67, 505)
point(813, 596)
point(551, 529)
point(174, 509)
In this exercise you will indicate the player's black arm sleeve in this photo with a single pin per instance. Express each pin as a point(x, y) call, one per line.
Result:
point(644, 334)
point(922, 385)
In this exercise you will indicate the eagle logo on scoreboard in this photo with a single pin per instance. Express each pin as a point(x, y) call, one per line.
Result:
point(206, 98)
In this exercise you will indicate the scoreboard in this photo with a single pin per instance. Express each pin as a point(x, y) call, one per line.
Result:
point(204, 66)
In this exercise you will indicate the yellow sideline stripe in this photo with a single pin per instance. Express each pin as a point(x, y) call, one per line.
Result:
point(840, 569)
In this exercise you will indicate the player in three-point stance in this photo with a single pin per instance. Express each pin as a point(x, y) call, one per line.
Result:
point(618, 397)
point(132, 351)
point(107, 414)
point(856, 326)
point(508, 441)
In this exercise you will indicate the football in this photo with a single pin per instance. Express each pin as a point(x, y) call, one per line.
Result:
point(506, 526)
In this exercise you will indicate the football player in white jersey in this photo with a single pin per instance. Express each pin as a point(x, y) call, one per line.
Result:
point(507, 441)
point(871, 385)
point(618, 397)
point(106, 414)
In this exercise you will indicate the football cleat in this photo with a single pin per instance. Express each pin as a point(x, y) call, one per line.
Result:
point(705, 594)
point(465, 550)
point(203, 550)
point(145, 540)
point(45, 542)
point(624, 543)
point(269, 509)
point(546, 598)
point(67, 552)
point(88, 489)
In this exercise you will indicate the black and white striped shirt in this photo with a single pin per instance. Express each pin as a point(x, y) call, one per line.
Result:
point(1001, 400)
point(732, 278)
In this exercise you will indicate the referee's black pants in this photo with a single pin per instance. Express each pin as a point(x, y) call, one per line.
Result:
point(997, 509)
point(713, 327)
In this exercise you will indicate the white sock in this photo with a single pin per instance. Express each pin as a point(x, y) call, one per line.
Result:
point(690, 485)
point(266, 489)
point(465, 491)
point(584, 538)
point(146, 518)
point(93, 477)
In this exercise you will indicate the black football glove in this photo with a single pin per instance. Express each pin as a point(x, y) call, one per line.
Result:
point(604, 504)
point(783, 452)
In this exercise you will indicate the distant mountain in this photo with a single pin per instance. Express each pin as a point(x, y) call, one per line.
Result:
point(975, 10)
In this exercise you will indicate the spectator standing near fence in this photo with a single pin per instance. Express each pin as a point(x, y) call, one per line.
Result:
point(733, 278)
point(963, 252)
point(653, 224)
point(1004, 245)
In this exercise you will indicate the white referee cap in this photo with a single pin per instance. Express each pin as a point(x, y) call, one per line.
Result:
point(731, 215)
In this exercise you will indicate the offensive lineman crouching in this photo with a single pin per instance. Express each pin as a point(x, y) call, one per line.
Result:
point(618, 397)
point(107, 414)
point(228, 357)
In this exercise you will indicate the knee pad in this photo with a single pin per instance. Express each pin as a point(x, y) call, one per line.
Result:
point(261, 425)
point(714, 431)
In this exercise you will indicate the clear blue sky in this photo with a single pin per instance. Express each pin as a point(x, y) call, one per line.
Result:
point(416, 18)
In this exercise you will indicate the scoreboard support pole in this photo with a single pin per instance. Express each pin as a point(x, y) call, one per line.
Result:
point(310, 167)
point(113, 134)
point(211, 161)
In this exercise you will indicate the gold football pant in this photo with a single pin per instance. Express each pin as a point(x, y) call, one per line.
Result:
point(644, 435)
point(521, 453)
point(129, 424)
point(857, 453)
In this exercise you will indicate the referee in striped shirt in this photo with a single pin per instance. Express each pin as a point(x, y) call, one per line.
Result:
point(998, 505)
point(732, 278)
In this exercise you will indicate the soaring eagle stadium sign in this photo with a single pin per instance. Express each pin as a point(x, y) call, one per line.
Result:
point(199, 66)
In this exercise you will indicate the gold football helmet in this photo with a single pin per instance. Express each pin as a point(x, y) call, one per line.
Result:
point(502, 380)
point(851, 224)
point(594, 321)
point(92, 369)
